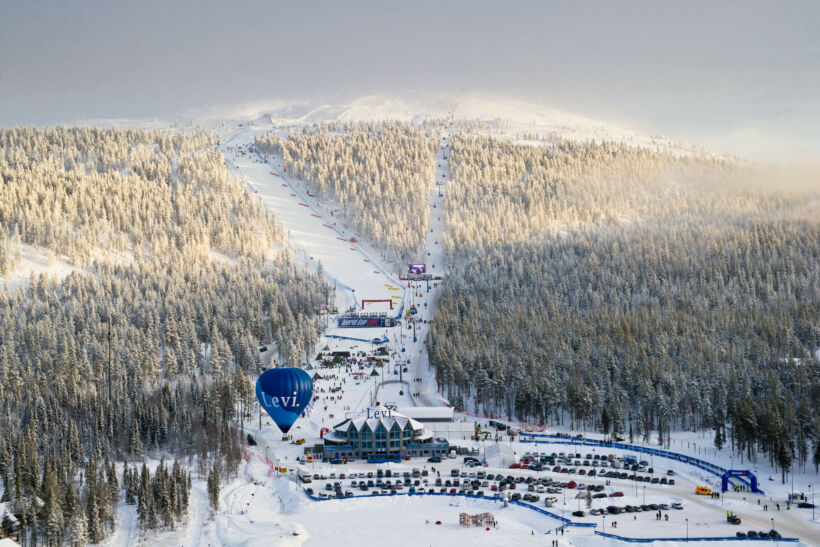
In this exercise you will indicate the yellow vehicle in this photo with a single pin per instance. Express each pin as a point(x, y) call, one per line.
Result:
point(283, 469)
point(703, 491)
point(299, 441)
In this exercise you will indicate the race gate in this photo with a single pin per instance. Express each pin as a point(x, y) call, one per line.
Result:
point(724, 480)
point(389, 301)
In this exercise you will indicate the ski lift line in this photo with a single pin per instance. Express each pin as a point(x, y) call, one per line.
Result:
point(358, 248)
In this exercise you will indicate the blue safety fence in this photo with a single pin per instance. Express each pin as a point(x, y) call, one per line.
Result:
point(565, 521)
point(338, 337)
point(684, 539)
point(683, 458)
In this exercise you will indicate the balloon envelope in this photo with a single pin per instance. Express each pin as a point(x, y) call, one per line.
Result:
point(284, 393)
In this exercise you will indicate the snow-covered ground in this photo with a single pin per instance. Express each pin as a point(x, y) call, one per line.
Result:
point(502, 116)
point(265, 507)
point(36, 261)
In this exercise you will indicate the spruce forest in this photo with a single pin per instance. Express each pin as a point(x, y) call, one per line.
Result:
point(630, 290)
point(149, 348)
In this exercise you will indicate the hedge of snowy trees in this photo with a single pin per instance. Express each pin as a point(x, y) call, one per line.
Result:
point(184, 325)
point(379, 174)
point(631, 290)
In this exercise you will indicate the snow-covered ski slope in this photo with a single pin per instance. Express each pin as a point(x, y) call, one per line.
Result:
point(313, 234)
point(354, 267)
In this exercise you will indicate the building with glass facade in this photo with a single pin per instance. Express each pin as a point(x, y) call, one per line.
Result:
point(380, 432)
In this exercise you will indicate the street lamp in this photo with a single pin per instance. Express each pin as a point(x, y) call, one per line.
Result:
point(603, 518)
point(812, 502)
point(644, 495)
point(687, 530)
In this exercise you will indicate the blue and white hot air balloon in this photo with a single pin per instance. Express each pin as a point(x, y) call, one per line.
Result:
point(284, 393)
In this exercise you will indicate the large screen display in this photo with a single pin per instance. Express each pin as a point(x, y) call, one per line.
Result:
point(416, 268)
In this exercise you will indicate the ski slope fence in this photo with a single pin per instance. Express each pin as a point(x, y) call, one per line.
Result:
point(304, 254)
point(683, 458)
point(339, 337)
point(684, 540)
point(358, 248)
point(564, 521)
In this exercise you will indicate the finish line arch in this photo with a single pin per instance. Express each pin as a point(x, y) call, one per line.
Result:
point(389, 301)
point(724, 479)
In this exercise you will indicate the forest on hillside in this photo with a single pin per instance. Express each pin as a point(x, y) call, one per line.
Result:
point(89, 192)
point(634, 291)
point(148, 358)
point(379, 174)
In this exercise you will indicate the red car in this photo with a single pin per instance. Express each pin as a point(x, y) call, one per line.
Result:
point(616, 495)
point(512, 486)
point(515, 466)
point(572, 484)
point(452, 490)
point(494, 488)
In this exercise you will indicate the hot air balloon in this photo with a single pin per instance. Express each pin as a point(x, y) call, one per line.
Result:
point(284, 393)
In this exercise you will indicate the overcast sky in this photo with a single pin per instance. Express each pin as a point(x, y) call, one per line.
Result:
point(741, 76)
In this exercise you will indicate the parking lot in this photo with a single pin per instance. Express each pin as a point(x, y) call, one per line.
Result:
point(535, 480)
point(617, 496)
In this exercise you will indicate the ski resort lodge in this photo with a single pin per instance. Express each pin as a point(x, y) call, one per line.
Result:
point(381, 433)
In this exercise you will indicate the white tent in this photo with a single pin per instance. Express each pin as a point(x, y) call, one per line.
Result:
point(499, 455)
